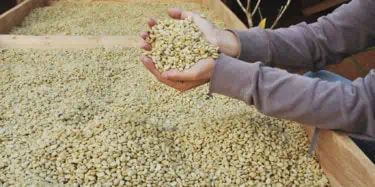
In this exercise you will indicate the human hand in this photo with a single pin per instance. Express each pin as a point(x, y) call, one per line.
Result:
point(225, 40)
point(199, 73)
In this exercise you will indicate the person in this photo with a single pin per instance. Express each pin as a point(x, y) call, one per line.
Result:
point(245, 70)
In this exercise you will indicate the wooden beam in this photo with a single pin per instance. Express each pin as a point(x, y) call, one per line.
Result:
point(131, 1)
point(321, 7)
point(341, 159)
point(225, 14)
point(66, 42)
point(150, 1)
point(16, 15)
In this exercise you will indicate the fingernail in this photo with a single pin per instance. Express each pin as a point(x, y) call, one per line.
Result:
point(164, 75)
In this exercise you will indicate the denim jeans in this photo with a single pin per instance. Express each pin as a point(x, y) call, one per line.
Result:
point(368, 147)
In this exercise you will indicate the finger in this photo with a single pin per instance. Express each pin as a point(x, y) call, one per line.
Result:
point(199, 71)
point(177, 13)
point(190, 85)
point(182, 87)
point(151, 22)
point(146, 46)
point(143, 35)
point(175, 75)
point(149, 64)
point(189, 14)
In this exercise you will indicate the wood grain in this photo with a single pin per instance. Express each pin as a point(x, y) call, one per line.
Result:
point(321, 7)
point(131, 1)
point(225, 14)
point(66, 42)
point(16, 15)
point(341, 159)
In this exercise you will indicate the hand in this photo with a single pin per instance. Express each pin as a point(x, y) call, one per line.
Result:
point(198, 74)
point(225, 40)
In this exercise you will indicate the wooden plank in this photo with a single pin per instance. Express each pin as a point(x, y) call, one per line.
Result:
point(130, 1)
point(150, 1)
point(225, 14)
point(322, 6)
point(341, 159)
point(16, 15)
point(66, 42)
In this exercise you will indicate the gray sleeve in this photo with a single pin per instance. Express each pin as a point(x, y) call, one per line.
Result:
point(277, 93)
point(347, 30)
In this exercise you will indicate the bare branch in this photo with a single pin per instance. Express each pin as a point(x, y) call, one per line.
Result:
point(241, 5)
point(247, 13)
point(248, 5)
point(256, 7)
point(260, 13)
point(281, 14)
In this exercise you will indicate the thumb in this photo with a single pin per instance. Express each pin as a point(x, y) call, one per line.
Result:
point(199, 71)
point(180, 76)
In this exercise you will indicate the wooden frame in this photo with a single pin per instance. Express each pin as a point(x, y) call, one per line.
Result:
point(342, 161)
point(326, 4)
point(66, 42)
point(16, 15)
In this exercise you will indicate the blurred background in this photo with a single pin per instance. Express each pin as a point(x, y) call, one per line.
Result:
point(298, 11)
point(269, 8)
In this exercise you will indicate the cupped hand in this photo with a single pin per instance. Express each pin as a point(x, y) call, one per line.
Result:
point(193, 77)
point(197, 75)
point(210, 32)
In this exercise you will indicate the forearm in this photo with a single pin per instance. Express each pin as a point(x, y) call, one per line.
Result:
point(347, 30)
point(348, 108)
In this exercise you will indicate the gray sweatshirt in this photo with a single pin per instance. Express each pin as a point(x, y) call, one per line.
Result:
point(325, 105)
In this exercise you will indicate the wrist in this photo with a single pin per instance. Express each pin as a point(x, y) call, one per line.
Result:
point(227, 42)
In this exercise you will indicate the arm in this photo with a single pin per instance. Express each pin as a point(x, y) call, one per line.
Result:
point(347, 30)
point(335, 106)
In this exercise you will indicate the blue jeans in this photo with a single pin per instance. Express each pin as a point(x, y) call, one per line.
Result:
point(367, 147)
